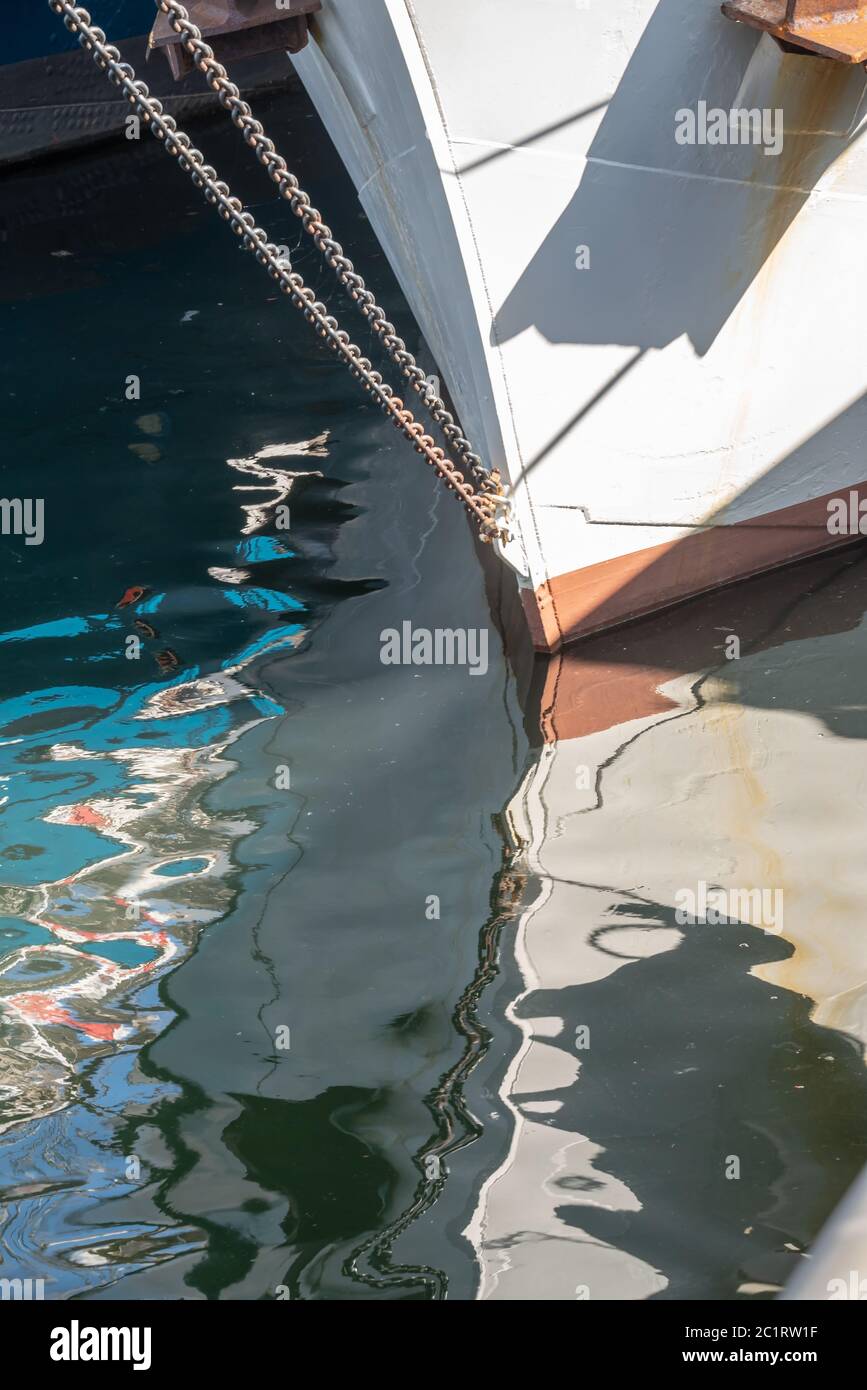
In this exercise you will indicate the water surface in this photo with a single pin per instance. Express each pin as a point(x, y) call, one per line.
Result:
point(241, 1055)
point(203, 864)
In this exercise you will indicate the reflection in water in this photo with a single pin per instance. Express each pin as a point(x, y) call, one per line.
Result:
point(456, 1125)
point(241, 841)
point(690, 1100)
point(153, 864)
point(92, 919)
point(536, 1091)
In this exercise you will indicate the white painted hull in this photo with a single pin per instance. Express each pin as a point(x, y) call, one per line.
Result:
point(708, 368)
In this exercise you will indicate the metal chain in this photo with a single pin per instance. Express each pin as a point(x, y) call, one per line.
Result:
point(483, 505)
point(253, 132)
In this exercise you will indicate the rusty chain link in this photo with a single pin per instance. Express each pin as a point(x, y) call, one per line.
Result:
point(483, 504)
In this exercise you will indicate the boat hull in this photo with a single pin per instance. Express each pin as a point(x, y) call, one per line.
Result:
point(55, 101)
point(658, 343)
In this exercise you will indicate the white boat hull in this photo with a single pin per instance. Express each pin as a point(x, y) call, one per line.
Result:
point(679, 412)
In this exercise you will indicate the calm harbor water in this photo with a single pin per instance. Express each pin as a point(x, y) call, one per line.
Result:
point(274, 916)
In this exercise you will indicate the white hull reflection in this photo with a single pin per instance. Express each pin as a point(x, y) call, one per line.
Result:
point(633, 1093)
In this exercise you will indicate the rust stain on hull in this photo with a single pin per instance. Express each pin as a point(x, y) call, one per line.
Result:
point(811, 95)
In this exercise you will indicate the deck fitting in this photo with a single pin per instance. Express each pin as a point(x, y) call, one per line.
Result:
point(237, 28)
point(826, 28)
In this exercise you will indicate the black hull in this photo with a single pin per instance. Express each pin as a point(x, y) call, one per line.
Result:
point(62, 103)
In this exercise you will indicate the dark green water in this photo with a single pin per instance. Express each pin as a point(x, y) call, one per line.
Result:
point(173, 1147)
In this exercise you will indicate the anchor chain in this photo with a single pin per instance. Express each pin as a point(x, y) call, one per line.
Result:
point(253, 132)
point(483, 505)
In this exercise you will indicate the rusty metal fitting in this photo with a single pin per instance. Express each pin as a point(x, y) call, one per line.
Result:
point(834, 29)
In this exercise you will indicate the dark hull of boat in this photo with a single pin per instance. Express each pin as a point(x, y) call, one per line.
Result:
point(60, 102)
point(33, 30)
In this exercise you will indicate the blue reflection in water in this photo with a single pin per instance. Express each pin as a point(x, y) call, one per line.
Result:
point(121, 1161)
point(113, 865)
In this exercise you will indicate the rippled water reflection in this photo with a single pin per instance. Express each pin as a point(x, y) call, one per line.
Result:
point(232, 840)
point(255, 799)
point(689, 1094)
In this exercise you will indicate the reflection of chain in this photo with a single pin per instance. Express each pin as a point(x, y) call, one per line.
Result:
point(371, 1263)
point(484, 504)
